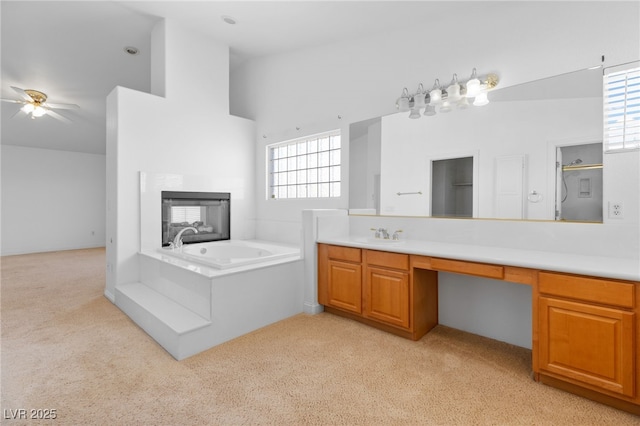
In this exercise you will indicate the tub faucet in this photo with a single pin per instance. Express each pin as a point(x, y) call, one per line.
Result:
point(177, 241)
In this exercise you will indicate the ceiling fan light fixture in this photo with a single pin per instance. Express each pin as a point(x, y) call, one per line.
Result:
point(38, 111)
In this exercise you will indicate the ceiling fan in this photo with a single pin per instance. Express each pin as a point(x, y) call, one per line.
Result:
point(34, 104)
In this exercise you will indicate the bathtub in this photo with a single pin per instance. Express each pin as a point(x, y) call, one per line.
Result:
point(232, 253)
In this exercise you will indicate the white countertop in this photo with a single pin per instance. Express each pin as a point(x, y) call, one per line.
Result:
point(599, 266)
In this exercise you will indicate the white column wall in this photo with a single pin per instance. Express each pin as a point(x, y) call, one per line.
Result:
point(189, 132)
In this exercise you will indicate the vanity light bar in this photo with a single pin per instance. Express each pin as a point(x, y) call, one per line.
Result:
point(455, 95)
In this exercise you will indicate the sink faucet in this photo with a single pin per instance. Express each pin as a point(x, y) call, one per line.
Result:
point(384, 233)
point(381, 233)
point(177, 241)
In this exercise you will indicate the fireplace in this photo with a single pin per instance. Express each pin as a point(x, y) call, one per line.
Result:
point(207, 212)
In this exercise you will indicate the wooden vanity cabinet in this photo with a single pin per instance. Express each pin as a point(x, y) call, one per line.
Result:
point(586, 332)
point(340, 277)
point(377, 288)
point(585, 329)
point(386, 288)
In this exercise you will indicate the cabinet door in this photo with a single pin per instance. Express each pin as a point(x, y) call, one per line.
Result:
point(345, 286)
point(387, 296)
point(587, 343)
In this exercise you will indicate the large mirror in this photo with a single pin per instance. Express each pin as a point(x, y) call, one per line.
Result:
point(534, 152)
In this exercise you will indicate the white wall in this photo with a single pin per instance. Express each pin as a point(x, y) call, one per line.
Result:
point(51, 200)
point(187, 133)
point(361, 79)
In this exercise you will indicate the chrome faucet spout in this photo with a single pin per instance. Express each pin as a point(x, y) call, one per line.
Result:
point(384, 233)
point(177, 241)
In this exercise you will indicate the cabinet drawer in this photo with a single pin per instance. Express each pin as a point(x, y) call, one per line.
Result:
point(390, 260)
point(349, 254)
point(469, 268)
point(595, 290)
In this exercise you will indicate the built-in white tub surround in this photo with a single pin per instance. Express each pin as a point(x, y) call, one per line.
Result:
point(188, 307)
point(200, 295)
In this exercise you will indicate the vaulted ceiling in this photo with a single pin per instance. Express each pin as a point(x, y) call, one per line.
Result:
point(75, 51)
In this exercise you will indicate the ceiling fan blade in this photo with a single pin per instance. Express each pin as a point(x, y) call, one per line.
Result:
point(13, 101)
point(22, 93)
point(18, 112)
point(61, 106)
point(58, 116)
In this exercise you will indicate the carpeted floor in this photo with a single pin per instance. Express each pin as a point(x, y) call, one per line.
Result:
point(66, 348)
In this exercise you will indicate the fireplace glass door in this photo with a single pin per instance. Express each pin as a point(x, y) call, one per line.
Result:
point(203, 216)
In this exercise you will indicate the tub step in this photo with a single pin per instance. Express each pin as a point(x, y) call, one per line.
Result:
point(164, 319)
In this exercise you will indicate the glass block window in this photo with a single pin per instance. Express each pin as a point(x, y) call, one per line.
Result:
point(305, 168)
point(622, 108)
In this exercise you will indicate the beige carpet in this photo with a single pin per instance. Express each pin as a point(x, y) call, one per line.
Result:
point(66, 347)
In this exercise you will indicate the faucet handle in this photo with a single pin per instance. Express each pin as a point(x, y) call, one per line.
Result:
point(396, 235)
point(377, 234)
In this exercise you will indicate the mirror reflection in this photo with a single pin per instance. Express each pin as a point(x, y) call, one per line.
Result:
point(536, 151)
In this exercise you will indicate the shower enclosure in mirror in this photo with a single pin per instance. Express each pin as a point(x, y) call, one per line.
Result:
point(579, 182)
point(197, 216)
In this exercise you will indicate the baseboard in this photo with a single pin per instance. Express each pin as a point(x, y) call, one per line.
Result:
point(312, 308)
point(110, 296)
point(48, 250)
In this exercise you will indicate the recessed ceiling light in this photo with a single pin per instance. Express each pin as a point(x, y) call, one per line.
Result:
point(229, 19)
point(131, 50)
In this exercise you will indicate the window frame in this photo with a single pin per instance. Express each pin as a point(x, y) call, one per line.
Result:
point(305, 167)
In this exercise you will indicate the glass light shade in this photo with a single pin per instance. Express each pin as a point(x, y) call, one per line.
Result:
point(38, 111)
point(403, 104)
point(481, 99)
point(415, 113)
point(445, 107)
point(403, 101)
point(454, 92)
point(418, 100)
point(27, 108)
point(436, 96)
point(430, 110)
point(463, 103)
point(473, 88)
